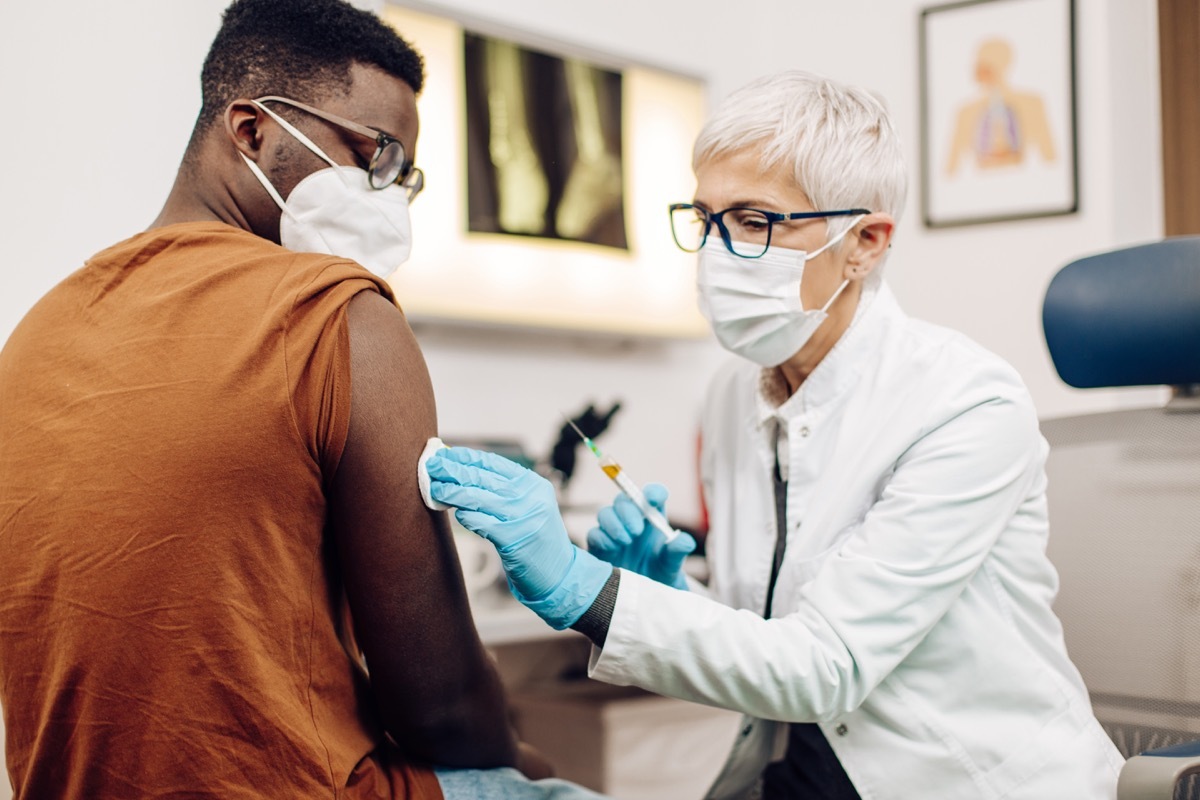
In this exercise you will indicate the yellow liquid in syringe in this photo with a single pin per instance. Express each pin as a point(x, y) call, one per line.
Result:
point(613, 470)
point(631, 490)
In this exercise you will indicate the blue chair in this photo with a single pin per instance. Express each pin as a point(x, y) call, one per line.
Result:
point(1124, 499)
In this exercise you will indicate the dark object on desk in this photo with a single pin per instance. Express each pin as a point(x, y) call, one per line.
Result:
point(592, 423)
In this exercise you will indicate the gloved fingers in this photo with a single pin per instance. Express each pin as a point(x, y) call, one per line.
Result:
point(445, 470)
point(479, 523)
point(681, 546)
point(470, 498)
point(675, 552)
point(601, 545)
point(656, 495)
point(630, 515)
point(483, 460)
point(613, 528)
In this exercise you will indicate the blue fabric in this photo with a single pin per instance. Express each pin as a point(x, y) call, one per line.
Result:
point(1185, 750)
point(1129, 317)
point(509, 784)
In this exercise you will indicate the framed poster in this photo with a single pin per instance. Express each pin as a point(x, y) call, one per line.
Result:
point(998, 113)
point(596, 149)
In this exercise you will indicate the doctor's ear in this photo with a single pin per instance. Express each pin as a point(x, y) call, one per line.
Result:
point(870, 240)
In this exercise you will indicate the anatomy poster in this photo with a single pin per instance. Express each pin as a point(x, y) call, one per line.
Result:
point(998, 111)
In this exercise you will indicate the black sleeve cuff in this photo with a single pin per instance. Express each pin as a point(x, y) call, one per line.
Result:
point(595, 621)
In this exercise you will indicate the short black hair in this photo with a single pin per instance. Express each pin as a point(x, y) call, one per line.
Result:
point(302, 49)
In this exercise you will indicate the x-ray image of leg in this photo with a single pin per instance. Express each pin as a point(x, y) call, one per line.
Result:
point(522, 191)
point(593, 187)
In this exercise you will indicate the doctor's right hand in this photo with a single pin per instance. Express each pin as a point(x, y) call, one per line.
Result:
point(625, 539)
point(515, 509)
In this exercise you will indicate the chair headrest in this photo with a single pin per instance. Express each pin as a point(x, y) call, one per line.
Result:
point(1129, 317)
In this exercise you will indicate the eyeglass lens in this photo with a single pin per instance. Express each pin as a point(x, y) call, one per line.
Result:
point(688, 226)
point(745, 231)
point(389, 161)
point(414, 183)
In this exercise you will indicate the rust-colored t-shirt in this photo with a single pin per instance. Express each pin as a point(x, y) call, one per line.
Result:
point(170, 416)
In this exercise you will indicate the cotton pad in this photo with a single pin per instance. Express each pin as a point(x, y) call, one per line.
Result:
point(431, 447)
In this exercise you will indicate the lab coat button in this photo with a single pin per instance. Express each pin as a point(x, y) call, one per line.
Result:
point(805, 431)
point(841, 730)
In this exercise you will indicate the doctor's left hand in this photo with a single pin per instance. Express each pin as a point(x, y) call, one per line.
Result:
point(625, 539)
point(515, 509)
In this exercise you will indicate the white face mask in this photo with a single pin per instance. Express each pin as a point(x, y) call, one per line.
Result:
point(336, 212)
point(753, 304)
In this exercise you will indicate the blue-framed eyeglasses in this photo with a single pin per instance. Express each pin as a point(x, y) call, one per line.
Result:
point(745, 231)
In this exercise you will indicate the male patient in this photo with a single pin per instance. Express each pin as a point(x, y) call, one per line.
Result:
point(208, 447)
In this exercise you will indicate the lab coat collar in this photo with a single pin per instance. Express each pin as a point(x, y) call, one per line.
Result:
point(837, 372)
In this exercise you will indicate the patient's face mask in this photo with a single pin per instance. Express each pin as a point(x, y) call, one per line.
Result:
point(336, 212)
point(753, 304)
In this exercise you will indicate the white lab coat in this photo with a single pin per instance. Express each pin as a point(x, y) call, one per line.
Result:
point(912, 614)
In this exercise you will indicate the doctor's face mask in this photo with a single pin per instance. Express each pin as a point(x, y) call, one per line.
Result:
point(335, 211)
point(753, 304)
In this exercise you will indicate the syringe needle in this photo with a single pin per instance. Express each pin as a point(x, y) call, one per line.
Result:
point(585, 439)
point(631, 490)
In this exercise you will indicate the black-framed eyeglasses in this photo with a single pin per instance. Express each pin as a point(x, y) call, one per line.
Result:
point(389, 165)
point(746, 232)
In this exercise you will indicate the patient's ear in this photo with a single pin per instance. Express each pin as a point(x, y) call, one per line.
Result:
point(243, 125)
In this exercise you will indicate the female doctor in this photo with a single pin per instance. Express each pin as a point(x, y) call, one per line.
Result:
point(879, 601)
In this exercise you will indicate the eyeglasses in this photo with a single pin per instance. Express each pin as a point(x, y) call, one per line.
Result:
point(390, 163)
point(745, 231)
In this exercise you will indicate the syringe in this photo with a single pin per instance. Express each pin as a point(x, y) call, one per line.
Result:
point(613, 470)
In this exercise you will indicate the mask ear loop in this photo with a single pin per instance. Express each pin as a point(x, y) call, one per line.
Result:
point(304, 140)
point(840, 289)
point(266, 184)
point(826, 246)
point(835, 239)
point(294, 131)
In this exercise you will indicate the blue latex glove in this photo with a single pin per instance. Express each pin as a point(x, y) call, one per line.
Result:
point(626, 540)
point(515, 509)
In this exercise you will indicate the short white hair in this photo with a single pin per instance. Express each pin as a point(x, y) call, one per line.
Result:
point(837, 140)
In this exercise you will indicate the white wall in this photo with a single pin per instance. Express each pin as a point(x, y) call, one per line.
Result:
point(109, 90)
point(986, 280)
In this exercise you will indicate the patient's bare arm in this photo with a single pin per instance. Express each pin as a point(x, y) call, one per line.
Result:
point(437, 692)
